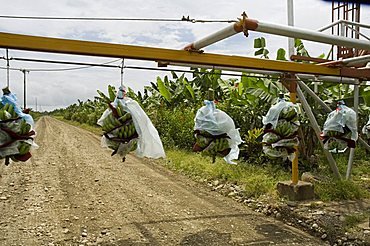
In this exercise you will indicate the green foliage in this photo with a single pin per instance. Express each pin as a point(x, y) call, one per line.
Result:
point(355, 219)
point(175, 126)
point(336, 190)
point(260, 44)
point(281, 54)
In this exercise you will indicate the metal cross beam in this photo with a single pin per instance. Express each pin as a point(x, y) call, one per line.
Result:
point(77, 47)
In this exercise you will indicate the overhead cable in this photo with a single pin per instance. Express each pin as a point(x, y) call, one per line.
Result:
point(183, 19)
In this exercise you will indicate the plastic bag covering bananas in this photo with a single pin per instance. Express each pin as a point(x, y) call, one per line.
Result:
point(215, 133)
point(340, 129)
point(127, 128)
point(119, 130)
point(366, 129)
point(280, 126)
point(16, 134)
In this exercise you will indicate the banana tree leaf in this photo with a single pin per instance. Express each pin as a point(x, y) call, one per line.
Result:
point(163, 90)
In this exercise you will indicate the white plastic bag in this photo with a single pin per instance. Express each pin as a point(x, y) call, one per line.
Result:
point(148, 142)
point(272, 116)
point(217, 122)
point(340, 118)
point(12, 99)
point(16, 142)
point(366, 129)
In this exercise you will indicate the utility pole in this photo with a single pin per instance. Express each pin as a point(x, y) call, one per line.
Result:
point(36, 104)
point(24, 71)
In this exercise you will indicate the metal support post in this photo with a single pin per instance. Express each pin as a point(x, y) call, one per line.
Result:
point(352, 150)
point(7, 68)
point(24, 88)
point(290, 23)
point(317, 130)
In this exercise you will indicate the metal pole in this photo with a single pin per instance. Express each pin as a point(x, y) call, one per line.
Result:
point(317, 130)
point(7, 68)
point(24, 88)
point(290, 23)
point(215, 37)
point(295, 32)
point(36, 104)
point(342, 80)
point(327, 108)
point(287, 31)
point(352, 150)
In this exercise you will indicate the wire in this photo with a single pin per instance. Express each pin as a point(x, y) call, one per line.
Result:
point(183, 19)
point(187, 71)
point(67, 62)
point(87, 65)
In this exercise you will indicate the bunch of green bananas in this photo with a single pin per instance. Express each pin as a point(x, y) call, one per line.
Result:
point(7, 112)
point(126, 131)
point(285, 128)
point(333, 133)
point(110, 123)
point(121, 126)
point(270, 138)
point(210, 146)
point(216, 146)
point(288, 113)
point(24, 127)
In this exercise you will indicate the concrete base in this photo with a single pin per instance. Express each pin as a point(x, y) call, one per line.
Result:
point(298, 192)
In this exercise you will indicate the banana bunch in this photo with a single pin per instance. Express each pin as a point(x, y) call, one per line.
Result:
point(24, 147)
point(279, 142)
point(288, 113)
point(270, 138)
point(126, 131)
point(7, 112)
point(333, 133)
point(208, 145)
point(217, 146)
point(110, 123)
point(120, 127)
point(24, 128)
point(285, 128)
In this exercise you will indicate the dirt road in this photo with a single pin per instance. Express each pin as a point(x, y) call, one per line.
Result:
point(72, 192)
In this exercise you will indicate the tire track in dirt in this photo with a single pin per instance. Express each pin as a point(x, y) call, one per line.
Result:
point(73, 192)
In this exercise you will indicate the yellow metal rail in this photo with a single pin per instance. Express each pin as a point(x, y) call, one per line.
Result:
point(77, 47)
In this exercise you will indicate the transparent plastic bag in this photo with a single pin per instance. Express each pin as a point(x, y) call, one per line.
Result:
point(366, 129)
point(272, 116)
point(12, 99)
point(16, 131)
point(286, 143)
point(275, 152)
point(148, 142)
point(340, 118)
point(217, 122)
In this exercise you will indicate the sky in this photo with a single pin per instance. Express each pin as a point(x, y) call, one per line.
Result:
point(59, 89)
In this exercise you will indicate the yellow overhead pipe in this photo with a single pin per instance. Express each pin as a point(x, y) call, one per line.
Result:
point(77, 47)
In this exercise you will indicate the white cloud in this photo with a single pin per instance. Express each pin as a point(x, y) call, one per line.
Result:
point(64, 88)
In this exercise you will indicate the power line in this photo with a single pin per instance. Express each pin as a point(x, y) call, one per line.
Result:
point(67, 62)
point(183, 19)
point(192, 71)
point(86, 65)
